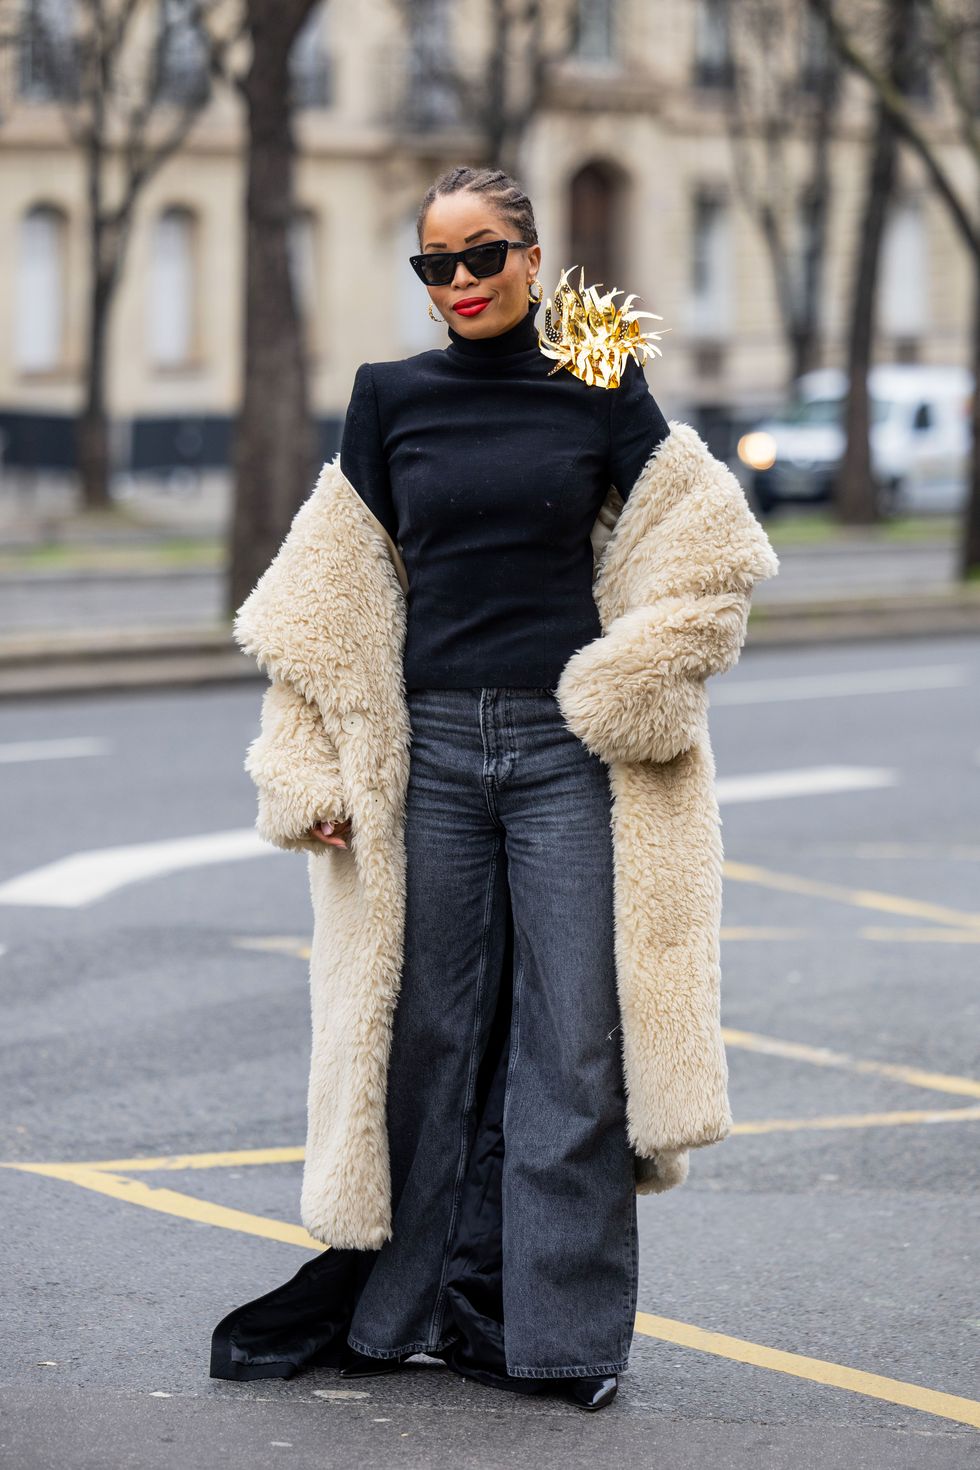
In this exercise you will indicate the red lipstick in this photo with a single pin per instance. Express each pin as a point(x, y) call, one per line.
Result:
point(471, 305)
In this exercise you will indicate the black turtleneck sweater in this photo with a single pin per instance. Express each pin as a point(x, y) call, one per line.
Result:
point(488, 475)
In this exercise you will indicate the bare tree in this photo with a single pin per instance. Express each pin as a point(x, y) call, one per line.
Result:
point(951, 31)
point(130, 86)
point(497, 93)
point(275, 442)
point(858, 498)
point(782, 106)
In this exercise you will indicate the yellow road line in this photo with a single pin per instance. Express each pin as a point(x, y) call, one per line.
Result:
point(924, 936)
point(171, 1202)
point(762, 931)
point(817, 1370)
point(730, 934)
point(667, 1329)
point(863, 898)
point(110, 1176)
point(860, 1120)
point(824, 1056)
point(300, 949)
point(178, 1162)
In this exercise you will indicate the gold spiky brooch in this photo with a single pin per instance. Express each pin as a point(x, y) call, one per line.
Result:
point(594, 336)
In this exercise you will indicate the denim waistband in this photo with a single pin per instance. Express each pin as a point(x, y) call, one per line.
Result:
point(508, 689)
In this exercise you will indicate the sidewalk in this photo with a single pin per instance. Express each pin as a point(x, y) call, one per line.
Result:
point(136, 598)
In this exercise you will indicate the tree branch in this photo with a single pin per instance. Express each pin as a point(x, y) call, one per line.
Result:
point(903, 118)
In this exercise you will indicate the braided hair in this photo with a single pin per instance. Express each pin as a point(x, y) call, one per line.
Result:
point(497, 187)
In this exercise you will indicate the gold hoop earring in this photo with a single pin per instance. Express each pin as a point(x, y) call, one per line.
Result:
point(535, 299)
point(439, 319)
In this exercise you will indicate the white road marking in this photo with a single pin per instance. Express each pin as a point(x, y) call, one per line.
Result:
point(83, 877)
point(808, 781)
point(828, 686)
point(53, 750)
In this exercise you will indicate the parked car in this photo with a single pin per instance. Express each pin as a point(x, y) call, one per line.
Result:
point(919, 438)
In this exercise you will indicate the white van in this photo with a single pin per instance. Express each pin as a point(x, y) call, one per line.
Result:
point(919, 438)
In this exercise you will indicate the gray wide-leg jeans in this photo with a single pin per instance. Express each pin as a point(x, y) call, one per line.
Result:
point(506, 806)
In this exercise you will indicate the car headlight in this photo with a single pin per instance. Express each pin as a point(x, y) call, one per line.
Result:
point(757, 450)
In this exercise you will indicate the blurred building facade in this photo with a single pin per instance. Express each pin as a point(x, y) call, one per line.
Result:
point(628, 162)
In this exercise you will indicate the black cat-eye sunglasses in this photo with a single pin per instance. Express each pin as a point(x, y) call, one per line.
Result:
point(486, 259)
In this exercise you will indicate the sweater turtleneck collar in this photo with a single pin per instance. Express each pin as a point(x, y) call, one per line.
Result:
point(522, 337)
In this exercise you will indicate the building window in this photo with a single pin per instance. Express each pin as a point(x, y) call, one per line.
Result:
point(431, 99)
point(594, 227)
point(183, 53)
point(916, 64)
point(47, 52)
point(302, 244)
point(310, 75)
point(713, 63)
point(40, 294)
point(711, 249)
point(595, 30)
point(172, 301)
point(818, 64)
point(903, 301)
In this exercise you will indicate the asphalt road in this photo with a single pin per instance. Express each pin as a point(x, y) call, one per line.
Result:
point(808, 1298)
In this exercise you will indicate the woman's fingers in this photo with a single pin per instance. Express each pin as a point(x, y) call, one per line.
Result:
point(333, 833)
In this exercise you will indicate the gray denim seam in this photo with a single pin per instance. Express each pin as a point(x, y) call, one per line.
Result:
point(435, 1321)
point(570, 1370)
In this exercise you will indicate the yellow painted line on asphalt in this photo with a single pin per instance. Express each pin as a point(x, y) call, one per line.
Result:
point(299, 949)
point(111, 1177)
point(953, 851)
point(864, 898)
point(220, 1160)
point(762, 931)
point(816, 1370)
point(824, 1056)
point(171, 1202)
point(667, 1329)
point(923, 936)
point(861, 1120)
point(730, 934)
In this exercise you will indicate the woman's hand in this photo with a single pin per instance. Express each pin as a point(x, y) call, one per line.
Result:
point(334, 834)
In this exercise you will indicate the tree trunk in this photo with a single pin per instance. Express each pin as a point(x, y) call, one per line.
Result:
point(806, 342)
point(970, 544)
point(856, 496)
point(92, 425)
point(856, 493)
point(274, 453)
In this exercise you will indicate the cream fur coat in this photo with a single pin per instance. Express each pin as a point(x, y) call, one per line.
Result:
point(674, 570)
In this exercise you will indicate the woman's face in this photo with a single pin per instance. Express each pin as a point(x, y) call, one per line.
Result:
point(455, 221)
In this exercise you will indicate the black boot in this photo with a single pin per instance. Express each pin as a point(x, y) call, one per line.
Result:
point(588, 1393)
point(359, 1365)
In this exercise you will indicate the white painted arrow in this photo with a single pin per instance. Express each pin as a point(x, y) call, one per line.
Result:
point(809, 781)
point(851, 683)
point(68, 748)
point(83, 877)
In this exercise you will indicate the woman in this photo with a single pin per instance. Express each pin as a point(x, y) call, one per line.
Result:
point(487, 635)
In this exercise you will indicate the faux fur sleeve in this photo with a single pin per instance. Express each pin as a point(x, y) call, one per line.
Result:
point(674, 592)
point(637, 693)
point(295, 770)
